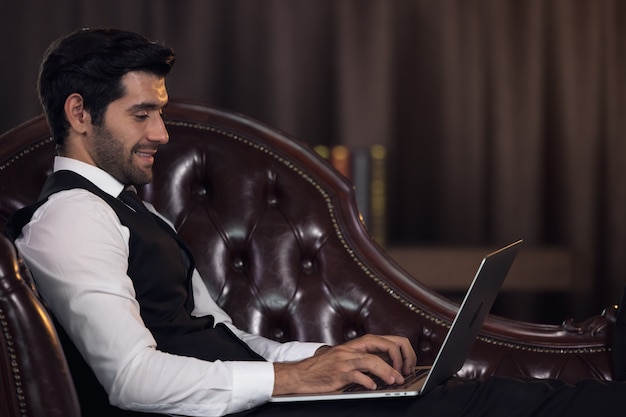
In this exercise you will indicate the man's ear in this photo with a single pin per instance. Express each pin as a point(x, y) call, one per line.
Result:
point(75, 113)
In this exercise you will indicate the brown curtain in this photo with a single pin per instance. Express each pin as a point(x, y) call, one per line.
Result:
point(503, 119)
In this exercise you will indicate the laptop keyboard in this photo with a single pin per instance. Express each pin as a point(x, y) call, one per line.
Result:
point(381, 385)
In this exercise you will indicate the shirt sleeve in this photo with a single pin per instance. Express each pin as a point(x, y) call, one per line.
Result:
point(77, 251)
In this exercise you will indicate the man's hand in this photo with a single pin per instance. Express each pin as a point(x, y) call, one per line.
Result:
point(335, 367)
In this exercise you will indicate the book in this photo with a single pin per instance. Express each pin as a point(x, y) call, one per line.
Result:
point(361, 179)
point(378, 190)
point(340, 159)
point(322, 150)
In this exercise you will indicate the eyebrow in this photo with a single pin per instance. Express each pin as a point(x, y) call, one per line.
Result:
point(145, 106)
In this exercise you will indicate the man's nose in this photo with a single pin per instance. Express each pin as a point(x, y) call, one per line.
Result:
point(158, 131)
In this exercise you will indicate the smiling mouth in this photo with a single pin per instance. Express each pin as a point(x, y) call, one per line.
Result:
point(145, 156)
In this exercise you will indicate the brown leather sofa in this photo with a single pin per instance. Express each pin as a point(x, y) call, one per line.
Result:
point(276, 234)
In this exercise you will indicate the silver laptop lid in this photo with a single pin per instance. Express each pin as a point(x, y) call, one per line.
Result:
point(472, 313)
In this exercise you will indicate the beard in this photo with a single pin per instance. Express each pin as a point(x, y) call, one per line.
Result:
point(112, 156)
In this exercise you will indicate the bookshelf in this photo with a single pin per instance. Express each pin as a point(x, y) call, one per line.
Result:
point(366, 169)
point(538, 288)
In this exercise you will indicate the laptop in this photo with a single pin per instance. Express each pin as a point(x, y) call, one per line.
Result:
point(457, 344)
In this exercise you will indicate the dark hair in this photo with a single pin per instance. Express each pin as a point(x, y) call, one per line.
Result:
point(92, 62)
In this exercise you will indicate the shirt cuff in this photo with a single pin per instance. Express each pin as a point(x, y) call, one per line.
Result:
point(253, 384)
point(310, 348)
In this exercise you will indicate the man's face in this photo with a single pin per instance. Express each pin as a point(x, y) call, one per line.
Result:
point(132, 130)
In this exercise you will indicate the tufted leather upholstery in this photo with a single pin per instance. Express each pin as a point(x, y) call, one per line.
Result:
point(277, 236)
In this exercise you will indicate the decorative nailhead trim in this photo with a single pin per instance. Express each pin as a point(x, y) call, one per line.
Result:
point(12, 354)
point(26, 151)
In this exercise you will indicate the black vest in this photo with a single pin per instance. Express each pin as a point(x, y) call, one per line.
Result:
point(160, 266)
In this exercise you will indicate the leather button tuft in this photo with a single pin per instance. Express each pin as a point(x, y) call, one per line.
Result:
point(272, 200)
point(351, 334)
point(278, 334)
point(307, 265)
point(199, 191)
point(238, 264)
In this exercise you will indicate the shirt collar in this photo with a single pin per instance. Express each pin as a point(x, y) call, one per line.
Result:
point(102, 179)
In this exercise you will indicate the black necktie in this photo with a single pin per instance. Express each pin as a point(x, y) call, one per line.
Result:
point(131, 199)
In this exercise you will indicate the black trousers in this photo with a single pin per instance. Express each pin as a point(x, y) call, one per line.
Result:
point(497, 397)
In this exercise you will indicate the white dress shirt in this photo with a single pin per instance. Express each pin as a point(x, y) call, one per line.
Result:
point(77, 251)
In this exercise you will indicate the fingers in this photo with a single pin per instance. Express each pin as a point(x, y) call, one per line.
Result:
point(396, 351)
point(370, 364)
point(401, 354)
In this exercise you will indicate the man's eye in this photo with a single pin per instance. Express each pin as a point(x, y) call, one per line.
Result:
point(142, 116)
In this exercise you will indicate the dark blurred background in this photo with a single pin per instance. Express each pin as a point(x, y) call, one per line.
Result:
point(502, 119)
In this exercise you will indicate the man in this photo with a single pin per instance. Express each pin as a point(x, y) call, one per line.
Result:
point(124, 291)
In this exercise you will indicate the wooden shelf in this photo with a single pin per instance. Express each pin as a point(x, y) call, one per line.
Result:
point(453, 268)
